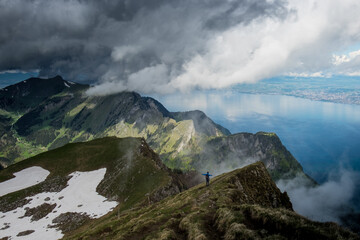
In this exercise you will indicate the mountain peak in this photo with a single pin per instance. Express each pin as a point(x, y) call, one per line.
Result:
point(31, 92)
point(57, 77)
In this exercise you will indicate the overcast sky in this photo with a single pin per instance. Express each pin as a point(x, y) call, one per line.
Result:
point(160, 46)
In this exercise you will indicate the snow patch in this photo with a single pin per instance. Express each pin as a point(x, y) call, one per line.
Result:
point(25, 178)
point(72, 83)
point(66, 85)
point(79, 196)
point(24, 81)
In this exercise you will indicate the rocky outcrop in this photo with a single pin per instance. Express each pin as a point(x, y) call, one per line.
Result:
point(241, 149)
point(202, 123)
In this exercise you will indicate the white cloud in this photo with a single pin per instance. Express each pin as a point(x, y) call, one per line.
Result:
point(15, 71)
point(189, 44)
point(299, 45)
point(340, 59)
point(270, 47)
point(120, 52)
point(107, 88)
point(157, 75)
point(326, 202)
point(307, 74)
point(352, 74)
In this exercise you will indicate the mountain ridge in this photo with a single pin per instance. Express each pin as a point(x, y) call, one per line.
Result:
point(153, 201)
point(72, 116)
point(242, 204)
point(133, 176)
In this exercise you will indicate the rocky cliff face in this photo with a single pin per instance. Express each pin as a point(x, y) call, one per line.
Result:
point(33, 120)
point(66, 114)
point(23, 96)
point(241, 149)
point(242, 204)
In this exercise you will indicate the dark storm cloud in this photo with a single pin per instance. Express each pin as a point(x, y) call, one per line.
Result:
point(108, 41)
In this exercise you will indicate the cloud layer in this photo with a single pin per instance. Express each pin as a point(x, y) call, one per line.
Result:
point(162, 46)
point(329, 201)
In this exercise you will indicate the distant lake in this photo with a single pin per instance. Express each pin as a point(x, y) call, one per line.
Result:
point(323, 136)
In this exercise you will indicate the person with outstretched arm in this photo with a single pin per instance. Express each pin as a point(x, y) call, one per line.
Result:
point(207, 177)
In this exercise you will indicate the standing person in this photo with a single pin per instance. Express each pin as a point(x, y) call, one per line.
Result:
point(207, 177)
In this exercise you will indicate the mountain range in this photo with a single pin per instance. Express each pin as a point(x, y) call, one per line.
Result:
point(122, 166)
point(37, 115)
point(140, 198)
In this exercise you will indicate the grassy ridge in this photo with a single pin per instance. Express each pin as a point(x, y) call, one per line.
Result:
point(134, 171)
point(242, 204)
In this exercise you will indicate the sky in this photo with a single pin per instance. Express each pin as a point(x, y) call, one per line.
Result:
point(162, 46)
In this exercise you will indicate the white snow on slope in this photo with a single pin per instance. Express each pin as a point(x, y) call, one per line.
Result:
point(79, 196)
point(72, 83)
point(66, 85)
point(23, 179)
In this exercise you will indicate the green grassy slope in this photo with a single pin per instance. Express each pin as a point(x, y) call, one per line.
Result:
point(185, 140)
point(69, 115)
point(242, 204)
point(134, 172)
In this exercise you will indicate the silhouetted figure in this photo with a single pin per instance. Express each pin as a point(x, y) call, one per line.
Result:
point(207, 177)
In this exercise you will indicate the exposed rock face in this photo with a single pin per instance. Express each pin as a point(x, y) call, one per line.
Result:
point(70, 221)
point(33, 120)
point(242, 204)
point(241, 149)
point(25, 233)
point(40, 211)
point(203, 124)
point(50, 119)
point(26, 94)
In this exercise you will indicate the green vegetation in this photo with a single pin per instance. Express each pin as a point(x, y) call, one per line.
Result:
point(269, 134)
point(14, 116)
point(134, 172)
point(242, 204)
point(185, 140)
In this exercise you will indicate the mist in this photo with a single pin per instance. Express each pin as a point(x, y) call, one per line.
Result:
point(166, 46)
point(329, 201)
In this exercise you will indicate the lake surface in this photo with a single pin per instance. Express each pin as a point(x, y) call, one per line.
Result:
point(323, 136)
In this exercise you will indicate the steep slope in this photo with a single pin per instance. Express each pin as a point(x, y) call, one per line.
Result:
point(242, 204)
point(202, 123)
point(134, 176)
point(67, 114)
point(185, 140)
point(130, 155)
point(241, 149)
point(27, 94)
